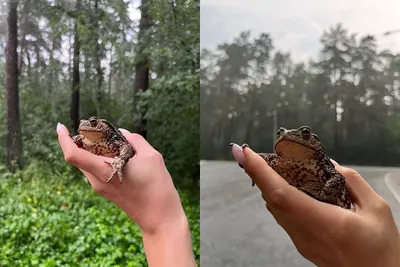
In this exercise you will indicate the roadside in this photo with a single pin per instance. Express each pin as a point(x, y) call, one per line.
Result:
point(392, 181)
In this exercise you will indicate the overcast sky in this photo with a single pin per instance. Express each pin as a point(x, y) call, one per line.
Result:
point(297, 25)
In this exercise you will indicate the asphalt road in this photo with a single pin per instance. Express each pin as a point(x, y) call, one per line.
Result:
point(237, 231)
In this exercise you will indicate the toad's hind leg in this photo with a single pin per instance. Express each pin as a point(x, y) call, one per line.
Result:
point(117, 164)
point(119, 161)
point(334, 192)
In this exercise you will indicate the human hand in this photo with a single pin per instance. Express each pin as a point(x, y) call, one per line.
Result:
point(147, 195)
point(325, 234)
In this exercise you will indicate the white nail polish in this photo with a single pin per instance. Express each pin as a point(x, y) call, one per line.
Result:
point(237, 152)
point(124, 130)
point(58, 127)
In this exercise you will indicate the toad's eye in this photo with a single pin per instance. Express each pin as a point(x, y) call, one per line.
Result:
point(316, 137)
point(93, 121)
point(280, 131)
point(305, 131)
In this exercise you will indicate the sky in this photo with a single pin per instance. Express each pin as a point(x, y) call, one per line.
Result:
point(296, 26)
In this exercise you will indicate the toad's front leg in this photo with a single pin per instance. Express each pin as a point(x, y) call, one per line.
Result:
point(78, 140)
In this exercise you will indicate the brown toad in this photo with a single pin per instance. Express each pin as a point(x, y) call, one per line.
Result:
point(302, 161)
point(100, 137)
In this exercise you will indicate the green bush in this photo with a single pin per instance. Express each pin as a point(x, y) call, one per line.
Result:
point(49, 219)
point(174, 124)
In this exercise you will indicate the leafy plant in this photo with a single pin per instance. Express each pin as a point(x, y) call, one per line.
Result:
point(49, 219)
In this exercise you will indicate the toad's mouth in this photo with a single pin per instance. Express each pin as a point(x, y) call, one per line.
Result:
point(284, 140)
point(88, 130)
point(92, 134)
point(294, 150)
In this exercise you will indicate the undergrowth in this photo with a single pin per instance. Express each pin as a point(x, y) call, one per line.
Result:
point(50, 218)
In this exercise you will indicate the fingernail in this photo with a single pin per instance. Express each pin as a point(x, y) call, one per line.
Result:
point(334, 162)
point(237, 153)
point(58, 127)
point(124, 130)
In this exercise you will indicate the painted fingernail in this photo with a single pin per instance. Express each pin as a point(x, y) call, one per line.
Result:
point(237, 153)
point(58, 127)
point(124, 130)
point(334, 162)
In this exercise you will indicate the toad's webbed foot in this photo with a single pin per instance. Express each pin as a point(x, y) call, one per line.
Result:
point(117, 164)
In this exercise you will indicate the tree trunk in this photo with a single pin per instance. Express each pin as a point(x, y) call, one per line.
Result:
point(50, 68)
point(142, 66)
point(75, 78)
point(111, 72)
point(99, 73)
point(14, 144)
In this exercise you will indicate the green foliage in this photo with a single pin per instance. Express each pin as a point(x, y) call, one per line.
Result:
point(49, 219)
point(174, 120)
point(350, 97)
point(173, 97)
point(49, 215)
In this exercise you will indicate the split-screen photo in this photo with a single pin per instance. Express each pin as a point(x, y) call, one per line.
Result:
point(209, 133)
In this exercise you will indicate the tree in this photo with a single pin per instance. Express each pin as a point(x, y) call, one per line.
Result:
point(350, 96)
point(336, 63)
point(14, 148)
point(75, 76)
point(142, 66)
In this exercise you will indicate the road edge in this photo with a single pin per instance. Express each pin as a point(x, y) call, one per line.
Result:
point(387, 179)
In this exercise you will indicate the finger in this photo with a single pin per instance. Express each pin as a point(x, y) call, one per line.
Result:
point(299, 207)
point(358, 188)
point(334, 162)
point(79, 157)
point(302, 236)
point(237, 152)
point(262, 174)
point(64, 138)
point(138, 143)
point(94, 182)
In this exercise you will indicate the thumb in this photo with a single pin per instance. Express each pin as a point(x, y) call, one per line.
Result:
point(261, 173)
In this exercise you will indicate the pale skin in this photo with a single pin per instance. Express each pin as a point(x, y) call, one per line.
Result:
point(147, 195)
point(325, 234)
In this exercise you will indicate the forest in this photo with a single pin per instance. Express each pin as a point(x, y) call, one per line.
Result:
point(349, 95)
point(134, 63)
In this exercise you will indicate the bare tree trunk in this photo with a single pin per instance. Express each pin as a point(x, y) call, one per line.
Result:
point(26, 5)
point(99, 72)
point(75, 78)
point(111, 72)
point(14, 144)
point(142, 66)
point(51, 63)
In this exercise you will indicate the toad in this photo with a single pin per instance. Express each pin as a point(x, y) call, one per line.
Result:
point(302, 161)
point(101, 138)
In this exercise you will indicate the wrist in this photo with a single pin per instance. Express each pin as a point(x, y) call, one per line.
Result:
point(154, 213)
point(170, 244)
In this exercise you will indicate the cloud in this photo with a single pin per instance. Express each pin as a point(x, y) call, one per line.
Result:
point(297, 26)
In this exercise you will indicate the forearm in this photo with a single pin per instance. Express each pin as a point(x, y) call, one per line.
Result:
point(172, 247)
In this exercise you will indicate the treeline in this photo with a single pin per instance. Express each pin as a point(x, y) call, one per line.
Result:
point(69, 60)
point(349, 96)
